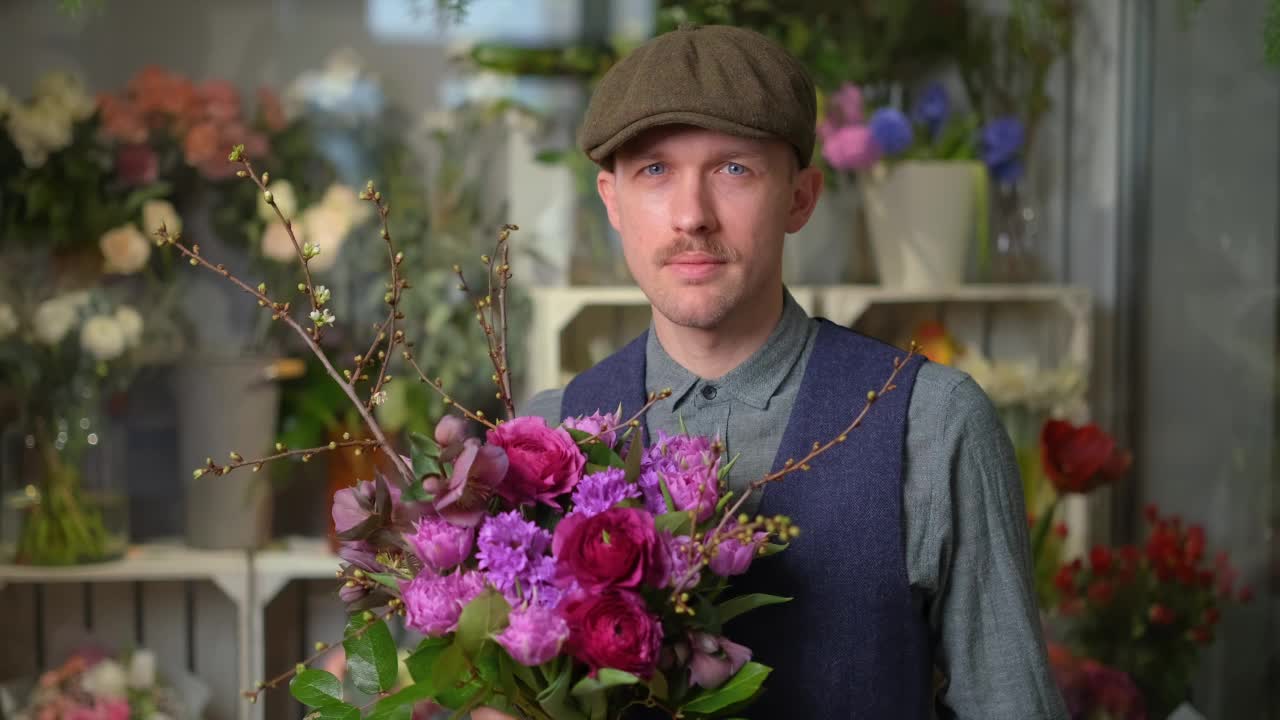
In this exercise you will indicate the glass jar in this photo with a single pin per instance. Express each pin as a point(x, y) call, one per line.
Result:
point(1015, 232)
point(63, 494)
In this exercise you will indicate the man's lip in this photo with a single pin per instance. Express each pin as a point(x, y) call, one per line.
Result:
point(694, 258)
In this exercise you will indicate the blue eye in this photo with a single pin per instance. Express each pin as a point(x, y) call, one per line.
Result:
point(735, 169)
point(655, 169)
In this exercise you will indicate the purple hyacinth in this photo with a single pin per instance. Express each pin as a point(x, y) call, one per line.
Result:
point(933, 108)
point(513, 555)
point(892, 131)
point(1001, 144)
point(600, 491)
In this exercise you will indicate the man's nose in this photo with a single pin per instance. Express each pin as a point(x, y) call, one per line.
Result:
point(692, 212)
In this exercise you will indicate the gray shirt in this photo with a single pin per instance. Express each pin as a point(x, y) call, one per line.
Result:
point(968, 556)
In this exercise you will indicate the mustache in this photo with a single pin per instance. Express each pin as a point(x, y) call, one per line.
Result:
point(706, 245)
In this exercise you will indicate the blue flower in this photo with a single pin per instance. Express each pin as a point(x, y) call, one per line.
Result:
point(1007, 172)
point(1002, 141)
point(933, 108)
point(891, 130)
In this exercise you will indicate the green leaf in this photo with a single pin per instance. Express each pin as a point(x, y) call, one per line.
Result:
point(391, 707)
point(677, 523)
point(425, 455)
point(338, 711)
point(386, 579)
point(555, 699)
point(316, 688)
point(451, 675)
point(484, 616)
point(421, 662)
point(774, 548)
point(605, 679)
point(658, 686)
point(635, 454)
point(738, 689)
point(666, 494)
point(734, 607)
point(597, 453)
point(371, 657)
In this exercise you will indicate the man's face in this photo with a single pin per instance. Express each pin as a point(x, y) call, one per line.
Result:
point(702, 216)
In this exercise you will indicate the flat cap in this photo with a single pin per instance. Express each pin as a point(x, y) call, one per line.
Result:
point(718, 77)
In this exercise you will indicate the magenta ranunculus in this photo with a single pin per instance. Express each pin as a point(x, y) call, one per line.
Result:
point(619, 547)
point(733, 557)
point(603, 425)
point(433, 603)
point(613, 629)
point(714, 659)
point(440, 544)
point(477, 473)
point(545, 462)
point(533, 635)
point(851, 148)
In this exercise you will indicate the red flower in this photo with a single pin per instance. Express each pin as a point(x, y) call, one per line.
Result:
point(136, 165)
point(613, 629)
point(1079, 459)
point(619, 547)
point(1161, 615)
point(1246, 594)
point(1101, 592)
point(1212, 615)
point(545, 462)
point(1200, 635)
point(1100, 559)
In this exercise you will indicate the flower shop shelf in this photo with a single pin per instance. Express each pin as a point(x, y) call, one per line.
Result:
point(153, 586)
point(1016, 319)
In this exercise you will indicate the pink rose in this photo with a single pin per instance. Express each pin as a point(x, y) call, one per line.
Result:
point(619, 547)
point(613, 629)
point(545, 462)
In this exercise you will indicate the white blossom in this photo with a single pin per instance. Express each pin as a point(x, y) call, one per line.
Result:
point(157, 213)
point(130, 323)
point(322, 317)
point(142, 670)
point(322, 294)
point(53, 319)
point(106, 680)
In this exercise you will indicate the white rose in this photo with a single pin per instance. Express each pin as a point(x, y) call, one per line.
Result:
point(276, 244)
point(65, 92)
point(286, 199)
point(142, 670)
point(53, 318)
point(157, 213)
point(326, 227)
point(28, 130)
point(125, 250)
point(105, 680)
point(8, 320)
point(102, 337)
point(130, 323)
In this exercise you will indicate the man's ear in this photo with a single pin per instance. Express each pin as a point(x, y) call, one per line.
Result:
point(806, 189)
point(607, 186)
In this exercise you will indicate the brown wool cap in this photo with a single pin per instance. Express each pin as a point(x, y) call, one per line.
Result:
point(717, 77)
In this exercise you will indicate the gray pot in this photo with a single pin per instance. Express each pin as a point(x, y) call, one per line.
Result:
point(223, 406)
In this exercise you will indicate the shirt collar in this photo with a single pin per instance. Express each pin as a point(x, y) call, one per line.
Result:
point(755, 380)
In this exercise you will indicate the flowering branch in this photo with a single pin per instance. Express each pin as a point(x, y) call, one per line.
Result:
point(237, 461)
point(634, 420)
point(438, 386)
point(495, 325)
point(746, 528)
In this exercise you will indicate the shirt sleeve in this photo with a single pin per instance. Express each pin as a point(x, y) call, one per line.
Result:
point(545, 404)
point(988, 643)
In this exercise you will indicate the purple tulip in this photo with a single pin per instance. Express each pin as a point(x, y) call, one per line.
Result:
point(733, 557)
point(714, 659)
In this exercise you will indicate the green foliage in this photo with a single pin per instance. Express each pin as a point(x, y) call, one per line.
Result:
point(316, 688)
point(371, 655)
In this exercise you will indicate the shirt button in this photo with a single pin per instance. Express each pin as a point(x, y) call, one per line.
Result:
point(709, 392)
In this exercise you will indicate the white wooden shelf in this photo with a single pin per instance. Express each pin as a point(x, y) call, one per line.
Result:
point(249, 579)
point(554, 308)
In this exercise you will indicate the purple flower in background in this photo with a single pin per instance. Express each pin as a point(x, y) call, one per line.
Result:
point(1001, 146)
point(850, 148)
point(846, 105)
point(433, 603)
point(600, 491)
point(892, 131)
point(440, 544)
point(690, 469)
point(933, 108)
point(603, 425)
point(513, 556)
point(534, 635)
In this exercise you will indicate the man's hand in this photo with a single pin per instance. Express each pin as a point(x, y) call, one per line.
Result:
point(490, 714)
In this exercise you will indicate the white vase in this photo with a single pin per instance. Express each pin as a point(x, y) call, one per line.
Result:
point(822, 252)
point(920, 216)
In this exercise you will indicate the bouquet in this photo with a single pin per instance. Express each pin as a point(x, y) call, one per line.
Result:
point(1149, 611)
point(93, 686)
point(553, 572)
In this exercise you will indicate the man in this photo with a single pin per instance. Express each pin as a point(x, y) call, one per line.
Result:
point(912, 575)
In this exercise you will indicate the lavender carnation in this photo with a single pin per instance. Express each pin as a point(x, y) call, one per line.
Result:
point(440, 544)
point(433, 603)
point(600, 491)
